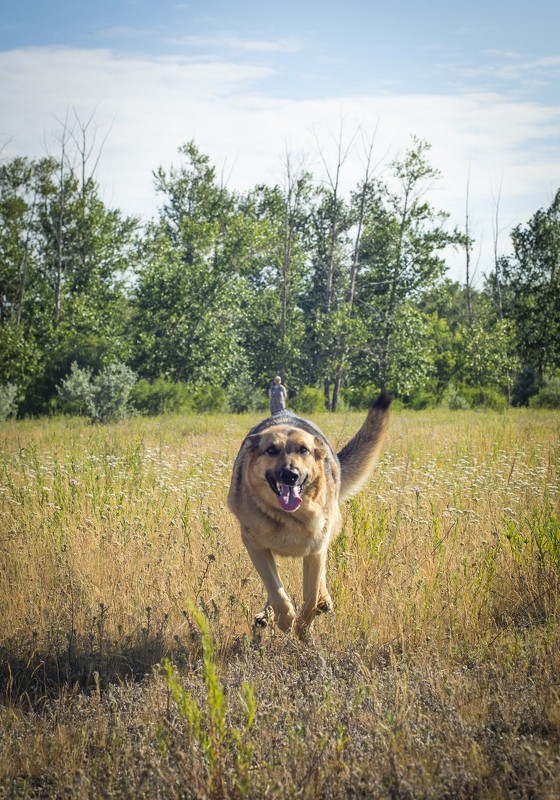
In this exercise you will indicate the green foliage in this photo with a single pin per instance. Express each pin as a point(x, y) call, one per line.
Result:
point(111, 392)
point(160, 396)
point(209, 724)
point(527, 382)
point(190, 284)
point(76, 392)
point(464, 397)
point(223, 290)
point(242, 396)
point(208, 399)
point(8, 401)
point(456, 400)
point(410, 365)
point(486, 355)
point(104, 397)
point(276, 275)
point(484, 397)
point(548, 396)
point(359, 398)
point(63, 257)
point(401, 257)
point(309, 400)
point(530, 289)
point(421, 399)
point(163, 396)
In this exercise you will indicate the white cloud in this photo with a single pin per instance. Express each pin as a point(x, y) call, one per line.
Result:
point(150, 106)
point(289, 44)
point(511, 67)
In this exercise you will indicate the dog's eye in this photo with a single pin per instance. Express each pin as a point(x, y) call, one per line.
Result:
point(303, 450)
point(272, 450)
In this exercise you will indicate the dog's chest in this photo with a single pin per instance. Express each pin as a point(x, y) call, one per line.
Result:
point(296, 535)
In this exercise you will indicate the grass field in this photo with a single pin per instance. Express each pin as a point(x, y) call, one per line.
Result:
point(128, 665)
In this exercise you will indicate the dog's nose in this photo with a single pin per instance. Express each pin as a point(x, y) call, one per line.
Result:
point(288, 476)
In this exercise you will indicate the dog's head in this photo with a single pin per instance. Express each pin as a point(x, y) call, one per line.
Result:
point(285, 463)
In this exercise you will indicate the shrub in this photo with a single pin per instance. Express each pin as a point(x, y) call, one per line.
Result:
point(104, 397)
point(111, 392)
point(527, 384)
point(421, 400)
point(456, 401)
point(208, 399)
point(309, 400)
point(76, 392)
point(8, 401)
point(242, 397)
point(483, 397)
point(475, 397)
point(549, 395)
point(360, 397)
point(160, 397)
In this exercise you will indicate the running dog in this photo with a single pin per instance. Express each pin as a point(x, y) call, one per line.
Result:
point(285, 490)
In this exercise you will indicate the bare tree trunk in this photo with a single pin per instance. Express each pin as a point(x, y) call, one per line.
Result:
point(76, 133)
point(24, 267)
point(468, 256)
point(496, 232)
point(294, 193)
point(392, 304)
point(85, 146)
point(333, 178)
point(59, 250)
point(496, 256)
point(368, 149)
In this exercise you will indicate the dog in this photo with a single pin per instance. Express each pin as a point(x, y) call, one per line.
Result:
point(286, 486)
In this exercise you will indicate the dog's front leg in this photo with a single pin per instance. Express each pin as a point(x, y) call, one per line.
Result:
point(314, 591)
point(265, 565)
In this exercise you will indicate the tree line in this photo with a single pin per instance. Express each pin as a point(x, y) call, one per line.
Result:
point(341, 294)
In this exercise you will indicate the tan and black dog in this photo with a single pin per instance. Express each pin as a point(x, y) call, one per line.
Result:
point(285, 490)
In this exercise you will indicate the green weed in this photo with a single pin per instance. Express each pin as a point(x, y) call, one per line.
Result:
point(220, 742)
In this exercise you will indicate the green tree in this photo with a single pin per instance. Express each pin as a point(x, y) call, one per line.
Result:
point(190, 289)
point(275, 277)
point(86, 252)
point(530, 293)
point(324, 302)
point(63, 258)
point(401, 254)
point(20, 278)
point(486, 355)
point(410, 355)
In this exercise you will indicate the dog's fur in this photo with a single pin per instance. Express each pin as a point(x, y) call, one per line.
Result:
point(285, 489)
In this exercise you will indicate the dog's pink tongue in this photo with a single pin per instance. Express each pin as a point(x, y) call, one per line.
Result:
point(289, 499)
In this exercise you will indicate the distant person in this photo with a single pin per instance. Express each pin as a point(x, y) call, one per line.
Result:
point(277, 395)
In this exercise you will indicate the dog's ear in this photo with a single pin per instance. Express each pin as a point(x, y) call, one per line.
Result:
point(320, 447)
point(252, 442)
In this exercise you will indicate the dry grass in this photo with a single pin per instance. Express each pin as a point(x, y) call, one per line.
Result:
point(436, 678)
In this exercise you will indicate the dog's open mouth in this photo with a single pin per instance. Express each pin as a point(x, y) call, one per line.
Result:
point(289, 497)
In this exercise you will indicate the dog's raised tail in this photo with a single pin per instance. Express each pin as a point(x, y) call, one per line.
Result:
point(358, 457)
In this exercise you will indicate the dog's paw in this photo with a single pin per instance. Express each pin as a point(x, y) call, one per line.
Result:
point(325, 606)
point(285, 620)
point(264, 619)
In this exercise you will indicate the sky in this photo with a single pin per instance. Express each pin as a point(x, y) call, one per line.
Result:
point(251, 81)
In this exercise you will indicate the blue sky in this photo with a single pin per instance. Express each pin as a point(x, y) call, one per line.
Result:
point(248, 81)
